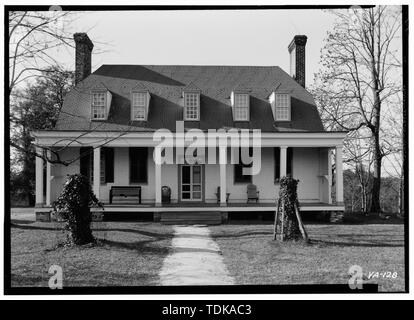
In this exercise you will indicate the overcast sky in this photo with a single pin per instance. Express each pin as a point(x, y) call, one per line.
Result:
point(236, 37)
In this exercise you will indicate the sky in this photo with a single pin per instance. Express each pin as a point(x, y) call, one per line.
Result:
point(236, 37)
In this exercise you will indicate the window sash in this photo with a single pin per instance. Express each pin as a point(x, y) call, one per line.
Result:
point(98, 105)
point(241, 107)
point(139, 99)
point(139, 105)
point(282, 107)
point(139, 113)
point(191, 106)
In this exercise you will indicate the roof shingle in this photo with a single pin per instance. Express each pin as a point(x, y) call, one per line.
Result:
point(166, 83)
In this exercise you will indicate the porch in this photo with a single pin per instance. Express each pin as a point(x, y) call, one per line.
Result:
point(206, 186)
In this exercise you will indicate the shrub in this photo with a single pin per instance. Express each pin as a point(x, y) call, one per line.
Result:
point(73, 206)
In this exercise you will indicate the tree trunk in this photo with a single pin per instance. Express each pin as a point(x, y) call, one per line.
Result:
point(376, 181)
point(375, 126)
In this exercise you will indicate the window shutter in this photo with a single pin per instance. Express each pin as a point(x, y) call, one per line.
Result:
point(109, 164)
point(133, 165)
point(138, 165)
point(277, 163)
point(85, 154)
point(239, 177)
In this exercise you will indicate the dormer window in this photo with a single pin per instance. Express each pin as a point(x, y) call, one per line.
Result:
point(280, 103)
point(282, 107)
point(241, 107)
point(191, 106)
point(139, 106)
point(98, 111)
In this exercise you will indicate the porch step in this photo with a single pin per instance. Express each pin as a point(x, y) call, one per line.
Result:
point(210, 217)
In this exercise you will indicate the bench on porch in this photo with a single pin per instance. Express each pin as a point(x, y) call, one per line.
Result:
point(127, 194)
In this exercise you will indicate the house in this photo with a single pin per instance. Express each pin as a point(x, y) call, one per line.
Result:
point(108, 122)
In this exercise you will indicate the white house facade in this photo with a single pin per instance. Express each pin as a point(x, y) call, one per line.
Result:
point(108, 122)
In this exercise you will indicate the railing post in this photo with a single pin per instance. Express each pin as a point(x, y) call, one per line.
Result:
point(157, 158)
point(283, 161)
point(339, 177)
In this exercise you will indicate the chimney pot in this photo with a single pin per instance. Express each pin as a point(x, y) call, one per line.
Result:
point(297, 58)
point(83, 62)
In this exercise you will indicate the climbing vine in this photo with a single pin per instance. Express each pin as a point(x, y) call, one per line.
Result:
point(287, 225)
point(73, 206)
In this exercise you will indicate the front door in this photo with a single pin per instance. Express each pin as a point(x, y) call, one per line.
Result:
point(191, 183)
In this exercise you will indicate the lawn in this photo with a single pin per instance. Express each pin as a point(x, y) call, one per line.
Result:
point(252, 257)
point(129, 254)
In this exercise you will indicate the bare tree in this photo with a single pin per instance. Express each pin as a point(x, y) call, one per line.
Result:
point(360, 74)
point(33, 38)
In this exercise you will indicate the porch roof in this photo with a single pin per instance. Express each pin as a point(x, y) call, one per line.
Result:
point(146, 139)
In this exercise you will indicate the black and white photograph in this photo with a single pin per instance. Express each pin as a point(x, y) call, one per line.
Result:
point(205, 149)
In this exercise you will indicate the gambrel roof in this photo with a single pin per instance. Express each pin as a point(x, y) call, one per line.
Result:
point(165, 83)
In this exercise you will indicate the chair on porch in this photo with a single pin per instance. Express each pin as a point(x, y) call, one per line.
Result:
point(218, 195)
point(252, 193)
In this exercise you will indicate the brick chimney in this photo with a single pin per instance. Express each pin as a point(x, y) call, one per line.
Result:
point(83, 60)
point(297, 58)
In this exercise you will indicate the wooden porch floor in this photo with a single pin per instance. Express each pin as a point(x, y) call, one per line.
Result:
point(231, 207)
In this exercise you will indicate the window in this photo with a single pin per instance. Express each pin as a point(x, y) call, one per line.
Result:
point(289, 159)
point(107, 164)
point(241, 107)
point(191, 106)
point(98, 106)
point(138, 162)
point(239, 177)
point(86, 163)
point(282, 107)
point(139, 105)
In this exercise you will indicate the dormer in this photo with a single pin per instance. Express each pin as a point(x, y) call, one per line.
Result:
point(140, 98)
point(240, 103)
point(191, 103)
point(101, 99)
point(280, 103)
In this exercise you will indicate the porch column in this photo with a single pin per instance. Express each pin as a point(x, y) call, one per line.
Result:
point(157, 158)
point(283, 161)
point(339, 177)
point(96, 171)
point(48, 177)
point(223, 164)
point(39, 178)
point(329, 176)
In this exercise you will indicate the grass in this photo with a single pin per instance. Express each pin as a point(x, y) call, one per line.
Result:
point(132, 253)
point(252, 257)
point(129, 254)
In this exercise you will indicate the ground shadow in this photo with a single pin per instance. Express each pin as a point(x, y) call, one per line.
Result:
point(355, 244)
point(140, 246)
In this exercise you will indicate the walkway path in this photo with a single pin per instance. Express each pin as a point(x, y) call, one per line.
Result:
point(195, 259)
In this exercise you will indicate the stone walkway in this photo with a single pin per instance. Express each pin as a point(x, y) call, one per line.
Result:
point(195, 259)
